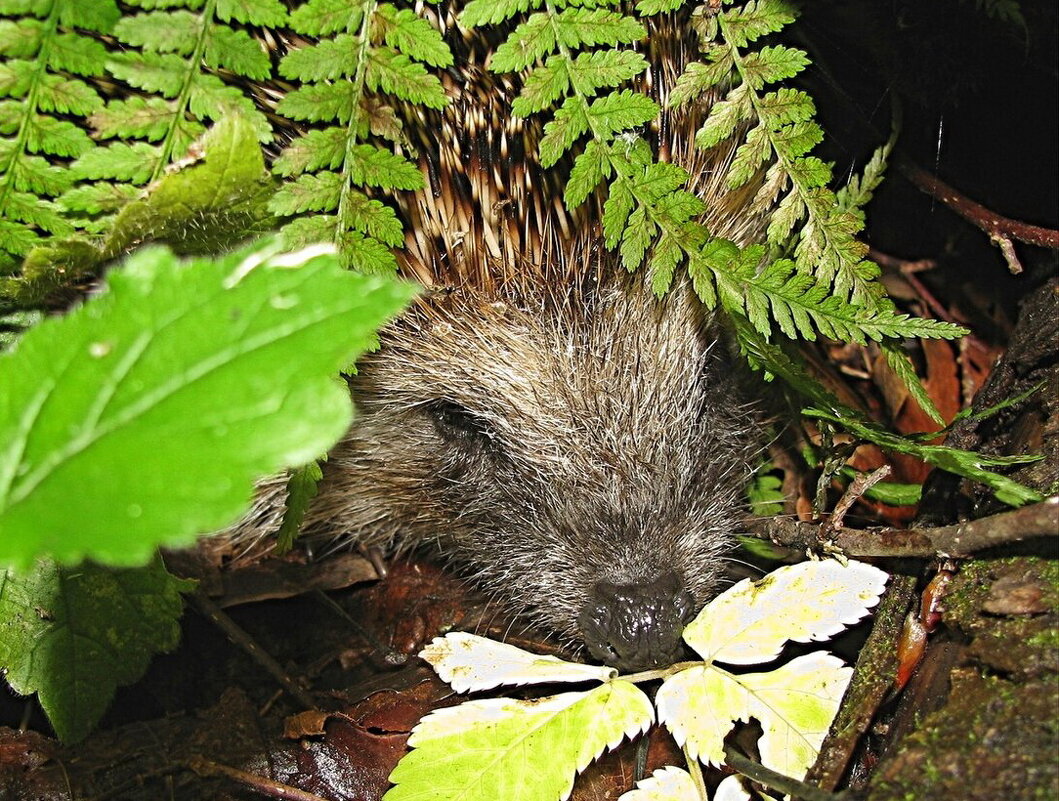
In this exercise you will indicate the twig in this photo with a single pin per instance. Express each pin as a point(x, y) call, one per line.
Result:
point(267, 787)
point(854, 492)
point(219, 618)
point(962, 539)
point(1001, 230)
point(777, 781)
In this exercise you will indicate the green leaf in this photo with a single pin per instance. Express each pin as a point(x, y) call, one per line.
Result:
point(412, 35)
point(396, 74)
point(364, 254)
point(517, 750)
point(491, 12)
point(302, 487)
point(530, 41)
point(67, 96)
point(73, 635)
point(591, 167)
point(374, 218)
point(161, 31)
point(321, 102)
point(368, 165)
point(134, 162)
point(621, 110)
point(581, 27)
point(324, 17)
point(604, 68)
point(270, 13)
point(235, 50)
point(314, 150)
point(310, 192)
point(753, 20)
point(569, 124)
point(212, 373)
point(542, 87)
point(204, 207)
point(901, 364)
point(698, 77)
point(156, 73)
point(772, 64)
point(328, 60)
point(137, 118)
point(724, 117)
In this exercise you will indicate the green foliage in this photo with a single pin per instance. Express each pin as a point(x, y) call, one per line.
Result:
point(206, 206)
point(212, 372)
point(302, 487)
point(775, 361)
point(47, 55)
point(74, 635)
point(176, 52)
point(370, 51)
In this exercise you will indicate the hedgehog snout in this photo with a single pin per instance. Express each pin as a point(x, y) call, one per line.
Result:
point(637, 626)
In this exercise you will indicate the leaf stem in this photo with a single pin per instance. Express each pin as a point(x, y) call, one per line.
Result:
point(695, 771)
point(184, 96)
point(359, 77)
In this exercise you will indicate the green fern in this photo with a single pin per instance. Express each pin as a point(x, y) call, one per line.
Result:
point(777, 131)
point(374, 49)
point(45, 58)
point(174, 52)
point(645, 203)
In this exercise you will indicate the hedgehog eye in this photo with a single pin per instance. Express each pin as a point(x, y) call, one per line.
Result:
point(458, 425)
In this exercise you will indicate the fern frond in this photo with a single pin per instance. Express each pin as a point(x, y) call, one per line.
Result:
point(46, 57)
point(371, 50)
point(780, 136)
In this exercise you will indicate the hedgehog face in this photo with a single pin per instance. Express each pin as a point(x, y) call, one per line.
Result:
point(583, 461)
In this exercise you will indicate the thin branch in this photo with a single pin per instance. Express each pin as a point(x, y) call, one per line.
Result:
point(218, 617)
point(208, 769)
point(777, 781)
point(962, 539)
point(1001, 230)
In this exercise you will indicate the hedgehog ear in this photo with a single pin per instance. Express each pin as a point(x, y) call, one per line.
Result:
point(458, 425)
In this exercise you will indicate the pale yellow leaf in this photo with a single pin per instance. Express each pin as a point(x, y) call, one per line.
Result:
point(470, 663)
point(665, 784)
point(699, 706)
point(751, 621)
point(795, 704)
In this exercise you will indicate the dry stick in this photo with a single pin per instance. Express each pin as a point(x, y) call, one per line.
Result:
point(962, 539)
point(272, 789)
point(219, 618)
point(1001, 230)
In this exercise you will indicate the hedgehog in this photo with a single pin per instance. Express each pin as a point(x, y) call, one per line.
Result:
point(577, 446)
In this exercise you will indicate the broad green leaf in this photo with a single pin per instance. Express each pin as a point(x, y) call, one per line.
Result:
point(170, 393)
point(517, 750)
point(471, 663)
point(751, 621)
point(73, 635)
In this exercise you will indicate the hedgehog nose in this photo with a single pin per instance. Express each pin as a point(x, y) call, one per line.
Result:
point(637, 626)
